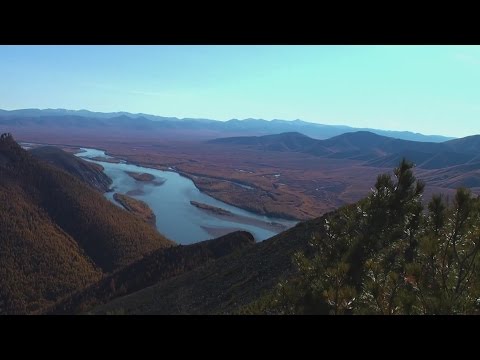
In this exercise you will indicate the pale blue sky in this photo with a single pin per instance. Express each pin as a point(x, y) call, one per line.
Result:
point(428, 89)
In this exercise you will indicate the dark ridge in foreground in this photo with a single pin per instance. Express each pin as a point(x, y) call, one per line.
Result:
point(225, 285)
point(159, 265)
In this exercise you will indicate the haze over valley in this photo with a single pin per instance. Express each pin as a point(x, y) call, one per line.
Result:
point(287, 175)
point(127, 212)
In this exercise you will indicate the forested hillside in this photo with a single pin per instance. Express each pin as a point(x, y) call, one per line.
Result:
point(158, 266)
point(88, 172)
point(387, 254)
point(58, 235)
point(66, 249)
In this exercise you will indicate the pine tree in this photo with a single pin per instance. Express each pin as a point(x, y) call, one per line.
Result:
point(386, 254)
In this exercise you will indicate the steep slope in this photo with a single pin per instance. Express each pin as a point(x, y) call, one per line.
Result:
point(370, 257)
point(39, 262)
point(157, 266)
point(57, 234)
point(88, 172)
point(226, 284)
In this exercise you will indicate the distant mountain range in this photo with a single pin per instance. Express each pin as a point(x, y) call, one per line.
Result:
point(84, 120)
point(374, 150)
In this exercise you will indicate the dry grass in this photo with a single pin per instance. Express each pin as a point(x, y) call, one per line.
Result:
point(308, 186)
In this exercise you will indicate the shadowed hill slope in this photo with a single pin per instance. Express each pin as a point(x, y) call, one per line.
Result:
point(57, 234)
point(226, 284)
point(85, 171)
point(157, 266)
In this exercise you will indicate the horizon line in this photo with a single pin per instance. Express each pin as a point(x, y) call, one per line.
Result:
point(139, 114)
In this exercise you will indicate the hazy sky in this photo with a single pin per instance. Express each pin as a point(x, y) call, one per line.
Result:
point(428, 89)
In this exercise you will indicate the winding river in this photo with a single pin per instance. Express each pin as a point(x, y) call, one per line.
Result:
point(169, 196)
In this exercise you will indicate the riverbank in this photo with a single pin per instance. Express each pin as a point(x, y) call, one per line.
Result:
point(242, 195)
point(245, 196)
point(239, 195)
point(235, 218)
point(137, 208)
point(233, 193)
point(230, 192)
point(140, 176)
point(213, 209)
point(106, 159)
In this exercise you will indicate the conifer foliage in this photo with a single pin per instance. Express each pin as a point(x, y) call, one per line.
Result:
point(388, 254)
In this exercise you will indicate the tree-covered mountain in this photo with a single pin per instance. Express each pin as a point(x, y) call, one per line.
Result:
point(57, 234)
point(65, 249)
point(157, 266)
point(386, 254)
point(222, 286)
point(88, 172)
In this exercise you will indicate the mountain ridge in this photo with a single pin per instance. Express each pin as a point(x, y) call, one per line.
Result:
point(159, 265)
point(88, 172)
point(58, 234)
point(228, 283)
point(373, 148)
point(141, 121)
